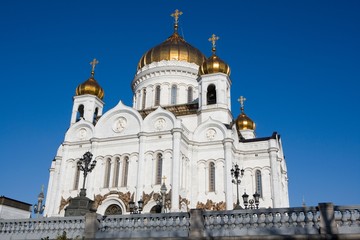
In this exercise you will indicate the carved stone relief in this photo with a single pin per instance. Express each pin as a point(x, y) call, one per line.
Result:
point(212, 206)
point(210, 134)
point(160, 124)
point(82, 133)
point(120, 124)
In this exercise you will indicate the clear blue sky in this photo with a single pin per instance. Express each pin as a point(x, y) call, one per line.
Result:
point(297, 63)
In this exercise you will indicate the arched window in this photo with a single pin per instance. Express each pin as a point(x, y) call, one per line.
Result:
point(80, 113)
point(159, 163)
point(173, 94)
point(77, 178)
point(212, 177)
point(190, 95)
point(211, 94)
point(95, 115)
point(258, 182)
point(144, 98)
point(113, 209)
point(125, 171)
point(157, 96)
point(107, 173)
point(116, 172)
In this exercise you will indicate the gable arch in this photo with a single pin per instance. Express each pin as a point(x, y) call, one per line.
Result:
point(80, 131)
point(210, 130)
point(160, 120)
point(121, 120)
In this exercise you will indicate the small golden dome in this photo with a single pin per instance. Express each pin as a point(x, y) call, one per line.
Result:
point(214, 64)
point(91, 86)
point(173, 48)
point(243, 122)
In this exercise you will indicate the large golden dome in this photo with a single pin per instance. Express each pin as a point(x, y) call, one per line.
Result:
point(214, 64)
point(91, 86)
point(173, 48)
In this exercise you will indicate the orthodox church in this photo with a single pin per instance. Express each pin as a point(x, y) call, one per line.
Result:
point(179, 134)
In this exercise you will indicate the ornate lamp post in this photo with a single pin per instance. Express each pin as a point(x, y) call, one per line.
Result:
point(39, 207)
point(250, 202)
point(136, 209)
point(236, 174)
point(84, 165)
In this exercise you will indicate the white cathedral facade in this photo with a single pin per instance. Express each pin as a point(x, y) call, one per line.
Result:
point(180, 131)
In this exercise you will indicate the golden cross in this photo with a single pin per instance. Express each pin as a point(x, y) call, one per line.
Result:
point(176, 15)
point(241, 101)
point(213, 40)
point(163, 178)
point(93, 63)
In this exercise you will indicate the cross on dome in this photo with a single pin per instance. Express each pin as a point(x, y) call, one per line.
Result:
point(213, 40)
point(93, 63)
point(241, 100)
point(163, 178)
point(176, 15)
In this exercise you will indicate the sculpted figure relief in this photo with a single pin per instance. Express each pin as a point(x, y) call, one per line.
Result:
point(120, 124)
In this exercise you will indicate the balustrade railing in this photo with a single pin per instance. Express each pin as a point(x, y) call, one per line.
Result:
point(347, 218)
point(324, 219)
point(282, 221)
point(142, 225)
point(42, 228)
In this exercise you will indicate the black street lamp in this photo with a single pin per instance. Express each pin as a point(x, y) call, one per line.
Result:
point(250, 202)
point(236, 174)
point(84, 165)
point(39, 207)
point(136, 209)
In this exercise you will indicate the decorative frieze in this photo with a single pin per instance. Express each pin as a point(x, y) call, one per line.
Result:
point(212, 206)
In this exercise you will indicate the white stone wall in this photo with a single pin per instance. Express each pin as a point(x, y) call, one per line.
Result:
point(188, 144)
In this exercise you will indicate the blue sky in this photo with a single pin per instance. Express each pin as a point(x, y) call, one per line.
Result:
point(296, 62)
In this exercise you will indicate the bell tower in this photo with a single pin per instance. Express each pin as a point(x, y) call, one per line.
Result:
point(88, 104)
point(214, 87)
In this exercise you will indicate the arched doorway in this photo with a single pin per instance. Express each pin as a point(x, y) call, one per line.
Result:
point(113, 209)
point(155, 209)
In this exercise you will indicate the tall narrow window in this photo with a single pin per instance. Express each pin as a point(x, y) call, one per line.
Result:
point(173, 94)
point(80, 113)
point(190, 95)
point(258, 182)
point(95, 116)
point(157, 96)
point(125, 171)
point(144, 98)
point(116, 172)
point(107, 173)
point(211, 94)
point(159, 162)
point(77, 178)
point(212, 177)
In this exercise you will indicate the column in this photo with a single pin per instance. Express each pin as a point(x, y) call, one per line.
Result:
point(227, 177)
point(275, 190)
point(140, 171)
point(175, 170)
